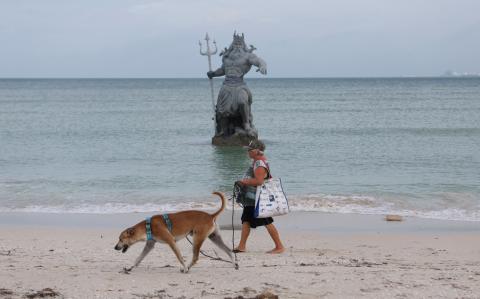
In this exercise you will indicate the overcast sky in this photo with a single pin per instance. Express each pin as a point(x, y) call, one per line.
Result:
point(302, 38)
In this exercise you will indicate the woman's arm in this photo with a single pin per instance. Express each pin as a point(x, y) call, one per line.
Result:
point(259, 178)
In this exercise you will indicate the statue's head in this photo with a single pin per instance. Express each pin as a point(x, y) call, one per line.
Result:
point(237, 46)
point(238, 41)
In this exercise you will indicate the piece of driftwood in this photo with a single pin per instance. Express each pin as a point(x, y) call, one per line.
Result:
point(393, 218)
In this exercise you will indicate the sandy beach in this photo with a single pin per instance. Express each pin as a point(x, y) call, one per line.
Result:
point(354, 256)
point(114, 111)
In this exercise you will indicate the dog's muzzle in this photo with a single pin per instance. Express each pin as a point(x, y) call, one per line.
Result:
point(122, 248)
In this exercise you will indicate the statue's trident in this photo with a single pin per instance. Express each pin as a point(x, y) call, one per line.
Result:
point(209, 54)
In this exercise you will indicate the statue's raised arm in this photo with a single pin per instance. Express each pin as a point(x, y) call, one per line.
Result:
point(258, 62)
point(234, 119)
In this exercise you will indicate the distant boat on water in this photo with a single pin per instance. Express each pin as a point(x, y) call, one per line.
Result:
point(450, 73)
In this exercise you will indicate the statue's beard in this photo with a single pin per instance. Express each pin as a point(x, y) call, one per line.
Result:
point(236, 52)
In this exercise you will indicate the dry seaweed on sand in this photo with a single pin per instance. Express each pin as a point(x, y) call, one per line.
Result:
point(263, 295)
point(44, 293)
point(5, 292)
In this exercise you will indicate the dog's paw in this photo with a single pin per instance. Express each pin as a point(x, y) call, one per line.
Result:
point(126, 270)
point(184, 270)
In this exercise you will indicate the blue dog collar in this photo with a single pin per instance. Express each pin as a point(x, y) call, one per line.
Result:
point(148, 221)
point(148, 225)
point(167, 221)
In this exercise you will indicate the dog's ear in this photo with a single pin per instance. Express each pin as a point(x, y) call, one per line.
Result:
point(130, 232)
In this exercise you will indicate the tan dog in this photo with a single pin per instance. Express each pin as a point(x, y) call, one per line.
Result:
point(197, 223)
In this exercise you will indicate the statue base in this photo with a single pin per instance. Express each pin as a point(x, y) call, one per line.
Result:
point(233, 140)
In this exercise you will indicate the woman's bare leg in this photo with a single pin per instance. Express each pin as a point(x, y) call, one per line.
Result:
point(272, 230)
point(242, 246)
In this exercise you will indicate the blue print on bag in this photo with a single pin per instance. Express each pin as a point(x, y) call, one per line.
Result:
point(272, 197)
point(257, 207)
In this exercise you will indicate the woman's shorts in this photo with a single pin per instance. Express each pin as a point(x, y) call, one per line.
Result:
point(248, 216)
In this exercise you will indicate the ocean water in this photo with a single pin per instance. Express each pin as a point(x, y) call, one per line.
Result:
point(409, 146)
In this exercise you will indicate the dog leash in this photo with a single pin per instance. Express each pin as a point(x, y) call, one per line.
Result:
point(209, 256)
point(233, 241)
point(234, 199)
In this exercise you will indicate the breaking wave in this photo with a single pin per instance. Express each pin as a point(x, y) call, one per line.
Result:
point(460, 207)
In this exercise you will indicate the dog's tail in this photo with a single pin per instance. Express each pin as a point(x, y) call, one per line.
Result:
point(222, 197)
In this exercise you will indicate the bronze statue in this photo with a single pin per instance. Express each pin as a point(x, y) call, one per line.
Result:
point(233, 109)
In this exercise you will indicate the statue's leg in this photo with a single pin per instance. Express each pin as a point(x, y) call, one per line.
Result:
point(222, 125)
point(250, 109)
point(218, 125)
point(221, 128)
point(244, 109)
point(245, 113)
point(225, 124)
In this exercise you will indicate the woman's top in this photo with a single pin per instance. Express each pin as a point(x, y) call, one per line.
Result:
point(250, 173)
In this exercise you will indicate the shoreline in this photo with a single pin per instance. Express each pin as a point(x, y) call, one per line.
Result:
point(322, 222)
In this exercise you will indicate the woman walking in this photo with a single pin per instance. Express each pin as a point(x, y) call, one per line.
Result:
point(254, 177)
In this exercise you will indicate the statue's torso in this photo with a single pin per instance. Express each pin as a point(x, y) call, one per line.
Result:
point(236, 65)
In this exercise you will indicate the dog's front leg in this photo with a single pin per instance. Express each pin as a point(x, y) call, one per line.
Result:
point(148, 247)
point(197, 244)
point(171, 242)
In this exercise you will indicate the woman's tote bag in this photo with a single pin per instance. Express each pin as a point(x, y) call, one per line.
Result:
point(270, 200)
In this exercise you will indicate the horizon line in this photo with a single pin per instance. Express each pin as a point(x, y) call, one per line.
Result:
point(260, 78)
